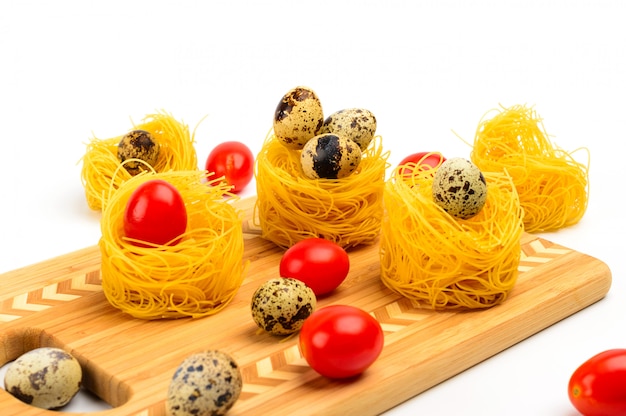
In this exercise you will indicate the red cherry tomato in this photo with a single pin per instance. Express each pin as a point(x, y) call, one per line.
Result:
point(321, 264)
point(598, 386)
point(155, 213)
point(340, 341)
point(423, 160)
point(234, 162)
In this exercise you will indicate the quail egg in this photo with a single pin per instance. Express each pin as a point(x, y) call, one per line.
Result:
point(357, 124)
point(329, 156)
point(45, 377)
point(138, 144)
point(298, 117)
point(280, 306)
point(459, 187)
point(207, 383)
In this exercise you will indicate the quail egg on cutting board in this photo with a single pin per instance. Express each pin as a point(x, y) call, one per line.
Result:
point(204, 384)
point(356, 124)
point(280, 306)
point(137, 144)
point(329, 156)
point(45, 377)
point(298, 117)
point(459, 187)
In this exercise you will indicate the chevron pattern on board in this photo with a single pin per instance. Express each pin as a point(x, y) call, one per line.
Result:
point(49, 296)
point(264, 375)
point(539, 252)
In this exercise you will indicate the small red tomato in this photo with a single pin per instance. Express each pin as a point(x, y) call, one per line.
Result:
point(321, 264)
point(340, 341)
point(423, 160)
point(598, 386)
point(155, 213)
point(234, 162)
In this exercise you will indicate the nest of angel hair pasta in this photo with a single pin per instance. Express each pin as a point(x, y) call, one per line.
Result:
point(101, 173)
point(442, 262)
point(553, 187)
point(290, 207)
point(196, 277)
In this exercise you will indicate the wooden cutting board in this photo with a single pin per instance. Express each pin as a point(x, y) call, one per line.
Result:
point(129, 362)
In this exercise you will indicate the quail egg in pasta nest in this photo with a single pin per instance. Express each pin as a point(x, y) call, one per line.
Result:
point(135, 148)
point(330, 156)
point(298, 117)
point(459, 187)
point(356, 124)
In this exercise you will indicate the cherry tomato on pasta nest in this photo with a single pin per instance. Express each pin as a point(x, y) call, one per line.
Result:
point(340, 341)
point(598, 386)
point(155, 213)
point(422, 160)
point(321, 264)
point(234, 162)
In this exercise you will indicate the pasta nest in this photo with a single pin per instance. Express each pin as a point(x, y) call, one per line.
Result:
point(101, 173)
point(442, 262)
point(291, 207)
point(198, 276)
point(553, 187)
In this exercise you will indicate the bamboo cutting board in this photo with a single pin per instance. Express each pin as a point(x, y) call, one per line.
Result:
point(129, 362)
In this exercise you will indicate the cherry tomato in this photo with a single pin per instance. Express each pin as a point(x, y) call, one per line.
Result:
point(424, 160)
point(598, 386)
point(321, 264)
point(234, 162)
point(155, 213)
point(340, 341)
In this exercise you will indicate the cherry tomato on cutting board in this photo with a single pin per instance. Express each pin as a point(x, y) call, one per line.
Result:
point(340, 341)
point(423, 160)
point(234, 162)
point(598, 386)
point(155, 213)
point(321, 264)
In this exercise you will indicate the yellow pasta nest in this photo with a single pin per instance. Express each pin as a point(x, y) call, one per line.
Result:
point(199, 276)
point(442, 262)
point(291, 207)
point(101, 173)
point(553, 187)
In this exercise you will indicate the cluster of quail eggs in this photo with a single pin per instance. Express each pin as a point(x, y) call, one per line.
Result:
point(329, 148)
point(45, 377)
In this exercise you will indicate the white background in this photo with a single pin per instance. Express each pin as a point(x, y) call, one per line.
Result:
point(70, 70)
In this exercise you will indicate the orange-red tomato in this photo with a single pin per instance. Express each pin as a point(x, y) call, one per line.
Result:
point(598, 386)
point(155, 213)
point(321, 264)
point(234, 162)
point(341, 341)
point(422, 161)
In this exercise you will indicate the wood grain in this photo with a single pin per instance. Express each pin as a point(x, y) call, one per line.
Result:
point(129, 362)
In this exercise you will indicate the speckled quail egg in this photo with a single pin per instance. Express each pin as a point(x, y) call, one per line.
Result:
point(138, 144)
point(280, 306)
point(357, 124)
point(298, 117)
point(206, 383)
point(45, 377)
point(459, 187)
point(329, 156)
